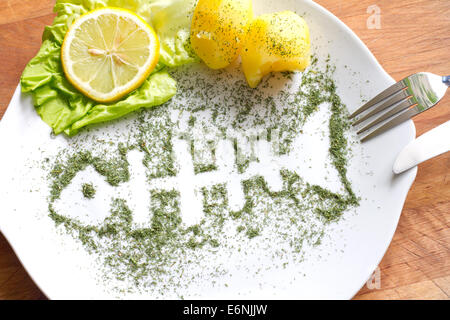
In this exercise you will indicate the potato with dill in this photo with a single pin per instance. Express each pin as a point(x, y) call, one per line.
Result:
point(275, 42)
point(217, 29)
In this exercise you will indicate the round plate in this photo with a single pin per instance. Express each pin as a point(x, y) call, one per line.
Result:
point(351, 251)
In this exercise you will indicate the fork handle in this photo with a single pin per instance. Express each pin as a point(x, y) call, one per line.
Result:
point(446, 80)
point(427, 146)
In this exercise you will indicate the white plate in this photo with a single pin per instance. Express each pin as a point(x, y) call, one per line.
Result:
point(353, 249)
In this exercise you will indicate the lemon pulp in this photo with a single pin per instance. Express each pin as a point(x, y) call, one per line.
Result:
point(109, 52)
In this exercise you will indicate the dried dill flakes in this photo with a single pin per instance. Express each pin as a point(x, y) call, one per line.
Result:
point(63, 174)
point(163, 253)
point(88, 190)
point(252, 232)
point(115, 170)
point(154, 138)
point(192, 121)
point(200, 168)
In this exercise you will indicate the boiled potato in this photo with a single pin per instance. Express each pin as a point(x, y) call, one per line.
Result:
point(217, 29)
point(275, 42)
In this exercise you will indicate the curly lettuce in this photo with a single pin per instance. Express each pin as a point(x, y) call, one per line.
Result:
point(171, 20)
point(67, 110)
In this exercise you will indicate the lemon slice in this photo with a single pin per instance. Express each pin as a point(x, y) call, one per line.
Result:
point(109, 52)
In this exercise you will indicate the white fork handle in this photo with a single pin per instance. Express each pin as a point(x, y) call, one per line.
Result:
point(427, 146)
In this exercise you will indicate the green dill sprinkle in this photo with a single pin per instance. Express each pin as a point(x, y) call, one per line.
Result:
point(88, 190)
point(166, 255)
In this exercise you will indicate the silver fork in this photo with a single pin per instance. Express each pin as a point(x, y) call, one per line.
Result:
point(399, 102)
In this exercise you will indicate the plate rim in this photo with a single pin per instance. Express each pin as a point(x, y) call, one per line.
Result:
point(413, 171)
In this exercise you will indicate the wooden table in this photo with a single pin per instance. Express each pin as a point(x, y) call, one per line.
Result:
point(414, 36)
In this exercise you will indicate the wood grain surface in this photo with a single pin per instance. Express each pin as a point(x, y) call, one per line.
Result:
point(414, 36)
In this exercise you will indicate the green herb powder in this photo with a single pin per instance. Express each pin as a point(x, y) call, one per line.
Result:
point(166, 255)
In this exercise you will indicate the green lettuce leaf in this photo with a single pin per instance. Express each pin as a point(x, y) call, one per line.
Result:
point(57, 102)
point(63, 107)
point(171, 20)
point(156, 90)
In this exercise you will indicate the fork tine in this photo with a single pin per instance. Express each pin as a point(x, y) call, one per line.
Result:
point(397, 97)
point(397, 119)
point(399, 107)
point(380, 97)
